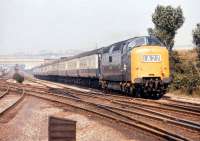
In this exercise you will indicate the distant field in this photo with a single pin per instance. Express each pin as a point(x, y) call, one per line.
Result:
point(187, 54)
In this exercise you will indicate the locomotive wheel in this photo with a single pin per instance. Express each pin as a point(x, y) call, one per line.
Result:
point(159, 95)
point(138, 92)
point(131, 91)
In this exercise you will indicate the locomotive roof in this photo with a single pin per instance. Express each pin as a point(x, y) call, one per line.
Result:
point(117, 45)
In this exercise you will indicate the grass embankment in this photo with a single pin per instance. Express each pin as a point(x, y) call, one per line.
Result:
point(186, 73)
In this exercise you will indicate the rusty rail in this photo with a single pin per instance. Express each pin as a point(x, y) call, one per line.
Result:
point(14, 104)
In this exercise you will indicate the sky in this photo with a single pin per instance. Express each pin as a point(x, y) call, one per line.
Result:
point(33, 26)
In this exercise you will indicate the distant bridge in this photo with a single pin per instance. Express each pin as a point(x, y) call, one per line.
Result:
point(28, 63)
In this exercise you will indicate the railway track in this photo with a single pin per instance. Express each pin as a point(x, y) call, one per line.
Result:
point(9, 100)
point(136, 115)
point(183, 102)
point(2, 94)
point(147, 119)
point(166, 100)
point(122, 104)
point(154, 107)
point(158, 109)
point(174, 104)
point(106, 112)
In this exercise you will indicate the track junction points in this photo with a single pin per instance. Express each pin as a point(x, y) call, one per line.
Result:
point(164, 119)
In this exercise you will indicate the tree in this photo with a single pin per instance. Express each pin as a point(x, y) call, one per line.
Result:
point(167, 21)
point(196, 39)
point(150, 31)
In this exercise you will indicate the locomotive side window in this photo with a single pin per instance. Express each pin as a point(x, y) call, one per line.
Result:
point(110, 59)
point(139, 41)
point(110, 54)
point(154, 41)
point(131, 44)
point(124, 48)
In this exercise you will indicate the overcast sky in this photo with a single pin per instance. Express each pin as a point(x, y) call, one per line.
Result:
point(58, 25)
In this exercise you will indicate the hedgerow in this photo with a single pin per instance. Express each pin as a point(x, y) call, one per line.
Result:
point(185, 74)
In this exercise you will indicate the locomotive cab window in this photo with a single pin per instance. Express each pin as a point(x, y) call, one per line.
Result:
point(147, 41)
point(153, 41)
point(137, 42)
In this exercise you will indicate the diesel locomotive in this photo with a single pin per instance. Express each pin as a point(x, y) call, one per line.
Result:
point(138, 66)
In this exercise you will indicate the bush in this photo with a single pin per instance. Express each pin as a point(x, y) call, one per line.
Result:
point(19, 78)
point(185, 75)
point(186, 82)
point(196, 39)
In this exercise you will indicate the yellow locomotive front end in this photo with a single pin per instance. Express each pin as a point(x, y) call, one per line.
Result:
point(150, 72)
point(149, 62)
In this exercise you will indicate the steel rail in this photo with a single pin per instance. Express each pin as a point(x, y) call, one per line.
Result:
point(190, 108)
point(187, 111)
point(184, 102)
point(135, 106)
point(162, 108)
point(170, 119)
point(181, 122)
point(4, 93)
point(2, 113)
